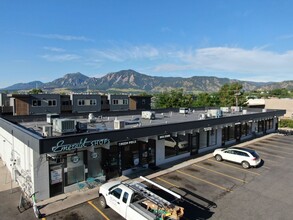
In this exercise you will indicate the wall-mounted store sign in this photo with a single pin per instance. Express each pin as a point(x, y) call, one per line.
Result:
point(123, 143)
point(208, 129)
point(163, 136)
point(61, 146)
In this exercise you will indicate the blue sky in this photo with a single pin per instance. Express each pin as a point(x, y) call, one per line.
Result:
point(245, 40)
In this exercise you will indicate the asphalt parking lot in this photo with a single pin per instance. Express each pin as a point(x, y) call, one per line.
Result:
point(223, 190)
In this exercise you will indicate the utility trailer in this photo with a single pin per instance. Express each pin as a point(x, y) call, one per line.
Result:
point(133, 201)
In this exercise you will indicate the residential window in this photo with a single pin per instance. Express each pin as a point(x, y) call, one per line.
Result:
point(80, 102)
point(125, 101)
point(120, 101)
point(37, 102)
point(86, 102)
point(52, 102)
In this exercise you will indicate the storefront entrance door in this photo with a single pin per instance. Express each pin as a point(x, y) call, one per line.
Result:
point(56, 180)
point(194, 141)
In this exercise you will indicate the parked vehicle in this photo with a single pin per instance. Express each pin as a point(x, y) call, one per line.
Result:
point(176, 143)
point(148, 115)
point(246, 157)
point(133, 201)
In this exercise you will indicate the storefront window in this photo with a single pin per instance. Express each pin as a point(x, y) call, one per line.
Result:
point(212, 137)
point(231, 133)
point(130, 155)
point(249, 128)
point(175, 145)
point(111, 162)
point(244, 129)
point(269, 124)
point(260, 126)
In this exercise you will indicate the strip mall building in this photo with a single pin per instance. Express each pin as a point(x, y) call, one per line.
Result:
point(52, 153)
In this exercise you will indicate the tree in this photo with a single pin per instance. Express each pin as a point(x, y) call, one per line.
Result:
point(35, 91)
point(173, 99)
point(232, 95)
point(206, 100)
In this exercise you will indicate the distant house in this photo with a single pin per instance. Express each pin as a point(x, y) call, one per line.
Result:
point(34, 104)
point(118, 102)
point(85, 103)
point(4, 104)
point(140, 102)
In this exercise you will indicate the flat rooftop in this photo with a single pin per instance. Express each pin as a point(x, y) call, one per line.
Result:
point(105, 123)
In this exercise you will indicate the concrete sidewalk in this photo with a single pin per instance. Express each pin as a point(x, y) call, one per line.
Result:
point(67, 200)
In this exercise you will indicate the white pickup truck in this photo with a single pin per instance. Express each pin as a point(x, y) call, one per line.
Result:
point(134, 202)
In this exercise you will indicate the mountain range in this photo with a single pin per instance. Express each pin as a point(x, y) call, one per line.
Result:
point(132, 81)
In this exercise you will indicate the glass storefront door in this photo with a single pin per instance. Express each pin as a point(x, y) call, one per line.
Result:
point(56, 179)
point(111, 162)
point(75, 168)
point(94, 163)
point(194, 140)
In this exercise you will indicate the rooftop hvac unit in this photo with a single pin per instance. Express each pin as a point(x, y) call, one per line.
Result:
point(148, 115)
point(47, 131)
point(91, 118)
point(226, 109)
point(81, 127)
point(202, 116)
point(244, 111)
point(50, 118)
point(118, 124)
point(236, 108)
point(64, 125)
point(183, 110)
point(217, 113)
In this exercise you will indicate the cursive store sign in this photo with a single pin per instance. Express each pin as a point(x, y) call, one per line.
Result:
point(83, 143)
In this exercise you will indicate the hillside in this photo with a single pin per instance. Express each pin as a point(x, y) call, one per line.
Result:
point(130, 80)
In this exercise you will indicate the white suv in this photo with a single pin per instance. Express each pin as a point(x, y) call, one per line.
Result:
point(246, 157)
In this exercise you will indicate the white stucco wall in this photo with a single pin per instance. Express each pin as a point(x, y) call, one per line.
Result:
point(41, 176)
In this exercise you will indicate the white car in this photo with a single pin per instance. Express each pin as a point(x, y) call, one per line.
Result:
point(246, 157)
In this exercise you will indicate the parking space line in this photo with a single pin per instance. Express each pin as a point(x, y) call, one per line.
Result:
point(279, 151)
point(205, 181)
point(242, 169)
point(96, 208)
point(165, 181)
point(223, 174)
point(271, 161)
point(280, 142)
point(268, 153)
point(272, 145)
